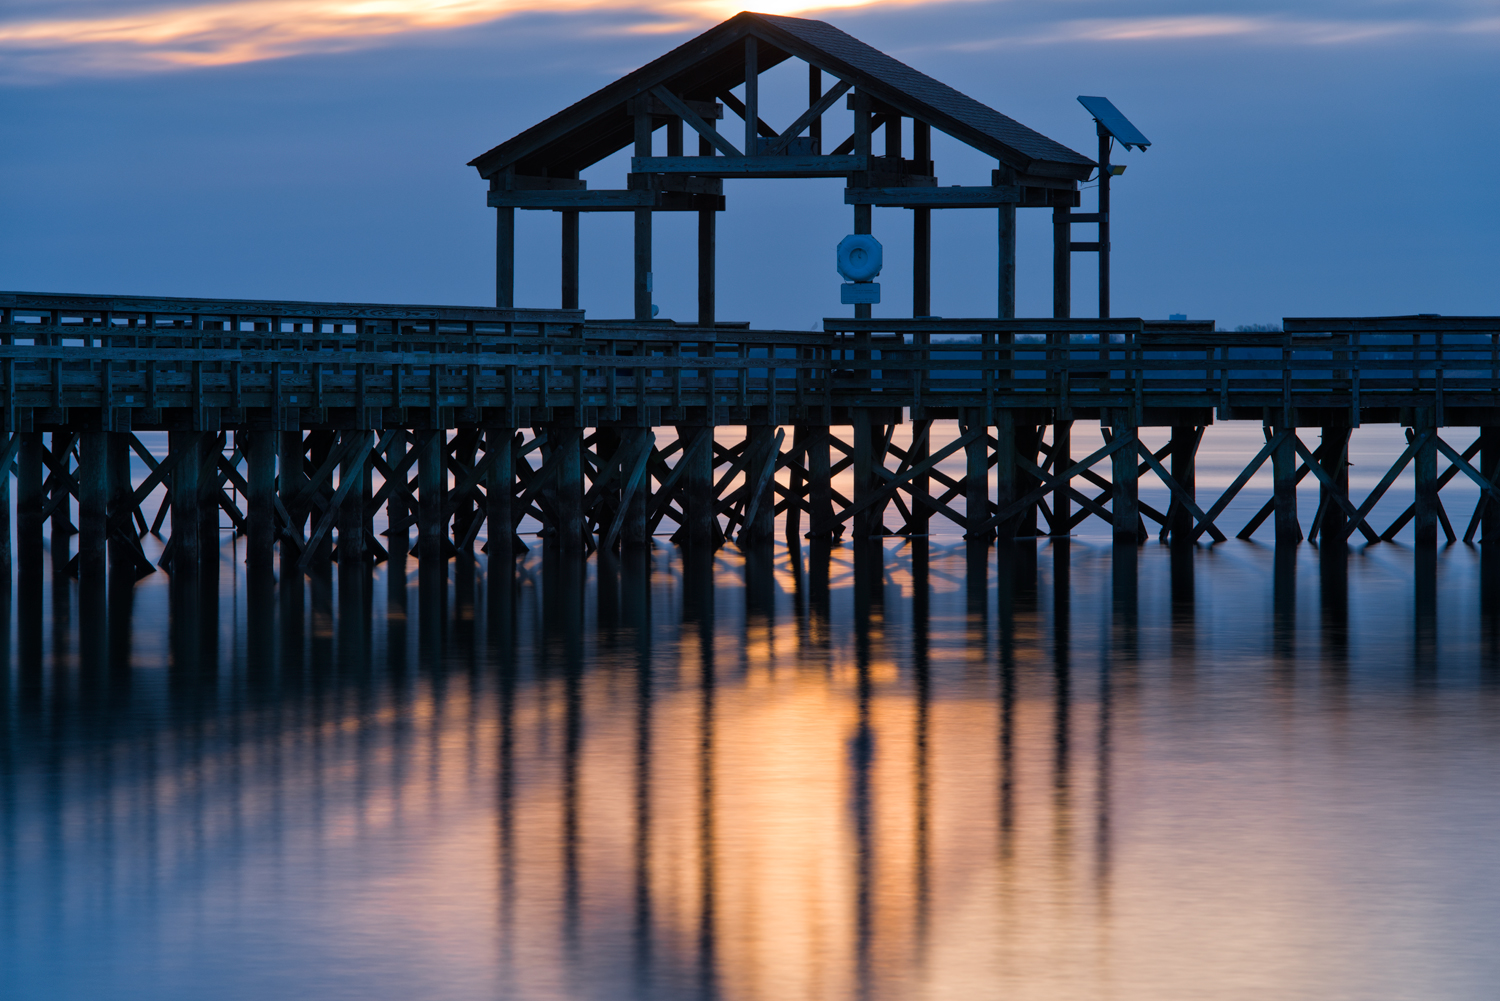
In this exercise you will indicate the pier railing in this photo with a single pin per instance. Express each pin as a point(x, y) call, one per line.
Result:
point(134, 357)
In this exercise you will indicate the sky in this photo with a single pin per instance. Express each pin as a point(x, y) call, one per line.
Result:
point(1327, 157)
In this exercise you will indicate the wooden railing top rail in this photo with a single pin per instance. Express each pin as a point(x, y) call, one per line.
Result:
point(250, 309)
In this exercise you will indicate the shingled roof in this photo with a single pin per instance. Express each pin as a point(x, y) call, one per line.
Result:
point(712, 63)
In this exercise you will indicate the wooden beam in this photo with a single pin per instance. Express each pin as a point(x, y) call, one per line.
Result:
point(695, 122)
point(809, 116)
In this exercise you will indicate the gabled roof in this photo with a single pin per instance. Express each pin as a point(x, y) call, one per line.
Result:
point(713, 63)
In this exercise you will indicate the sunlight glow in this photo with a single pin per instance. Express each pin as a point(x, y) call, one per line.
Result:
point(217, 34)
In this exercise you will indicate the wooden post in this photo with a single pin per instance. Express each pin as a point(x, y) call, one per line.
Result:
point(760, 443)
point(1284, 492)
point(635, 531)
point(570, 259)
point(707, 227)
point(398, 499)
point(1062, 501)
point(863, 214)
point(62, 521)
point(5, 541)
point(1426, 499)
point(505, 258)
point(499, 492)
point(643, 283)
point(30, 499)
point(292, 478)
point(320, 446)
point(1335, 461)
point(864, 473)
point(1489, 467)
point(921, 221)
point(1184, 471)
point(1125, 467)
point(820, 486)
point(921, 514)
point(93, 505)
point(260, 461)
point(752, 95)
point(977, 495)
point(568, 452)
point(1007, 234)
point(1062, 262)
point(432, 483)
point(121, 493)
point(796, 490)
point(187, 479)
point(351, 517)
point(698, 486)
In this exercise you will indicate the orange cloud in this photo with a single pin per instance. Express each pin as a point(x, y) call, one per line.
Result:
point(216, 34)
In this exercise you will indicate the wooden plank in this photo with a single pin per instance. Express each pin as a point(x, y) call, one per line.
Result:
point(955, 197)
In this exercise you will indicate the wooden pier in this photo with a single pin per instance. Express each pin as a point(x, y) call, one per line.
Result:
point(298, 423)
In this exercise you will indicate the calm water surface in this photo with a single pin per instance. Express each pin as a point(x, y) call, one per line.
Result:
point(1048, 772)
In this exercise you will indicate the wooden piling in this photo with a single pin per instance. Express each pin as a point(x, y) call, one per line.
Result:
point(697, 486)
point(93, 505)
point(1489, 467)
point(259, 448)
point(760, 492)
point(1062, 261)
point(187, 479)
point(865, 482)
point(1125, 470)
point(635, 528)
point(30, 501)
point(820, 487)
point(432, 482)
point(293, 482)
point(568, 454)
point(499, 444)
point(1335, 461)
point(5, 540)
point(355, 446)
point(62, 515)
point(122, 545)
point(1184, 469)
point(1284, 490)
point(1426, 500)
point(1062, 458)
point(977, 480)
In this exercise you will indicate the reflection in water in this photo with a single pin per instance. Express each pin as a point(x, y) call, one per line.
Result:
point(1045, 769)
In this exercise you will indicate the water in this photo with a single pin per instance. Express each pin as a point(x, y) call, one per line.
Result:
point(1051, 771)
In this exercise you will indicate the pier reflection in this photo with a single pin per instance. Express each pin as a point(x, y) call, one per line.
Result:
point(865, 771)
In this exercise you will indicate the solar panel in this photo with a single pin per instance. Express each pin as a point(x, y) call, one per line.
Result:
point(1116, 124)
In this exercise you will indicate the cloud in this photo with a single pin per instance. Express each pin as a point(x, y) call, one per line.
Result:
point(238, 31)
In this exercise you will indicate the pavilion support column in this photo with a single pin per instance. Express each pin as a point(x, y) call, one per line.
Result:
point(570, 259)
point(499, 494)
point(1184, 470)
point(977, 480)
point(432, 483)
point(1284, 491)
point(1425, 464)
point(505, 258)
point(260, 460)
point(1007, 234)
point(30, 499)
point(1335, 461)
point(697, 486)
point(863, 214)
point(707, 246)
point(352, 515)
point(1489, 467)
point(1062, 261)
point(93, 505)
point(643, 283)
point(1125, 467)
